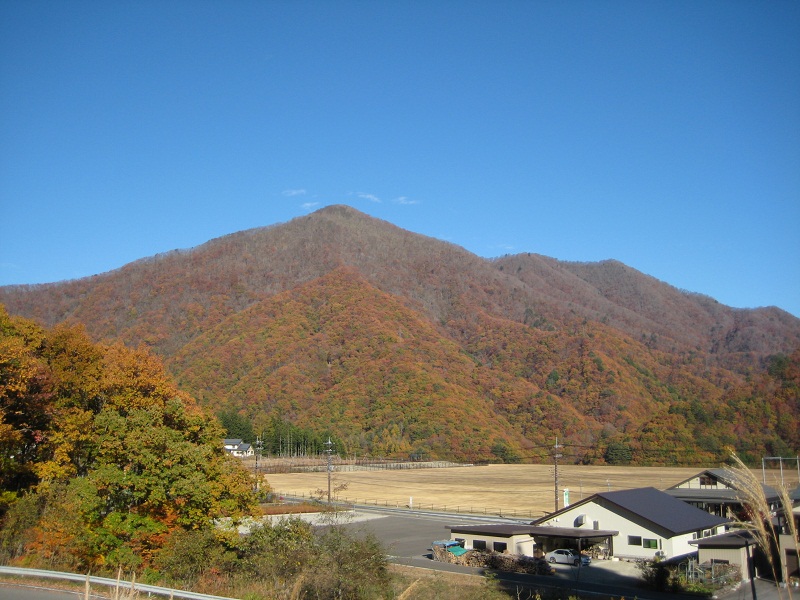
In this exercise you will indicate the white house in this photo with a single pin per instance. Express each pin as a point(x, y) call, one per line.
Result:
point(238, 448)
point(650, 522)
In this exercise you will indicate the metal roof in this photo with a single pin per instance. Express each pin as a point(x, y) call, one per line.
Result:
point(508, 530)
point(727, 496)
point(493, 529)
point(571, 532)
point(732, 539)
point(727, 478)
point(663, 510)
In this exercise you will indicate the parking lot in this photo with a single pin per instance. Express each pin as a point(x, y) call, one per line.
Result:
point(407, 538)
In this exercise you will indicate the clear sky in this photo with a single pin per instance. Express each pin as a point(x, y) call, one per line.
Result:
point(662, 134)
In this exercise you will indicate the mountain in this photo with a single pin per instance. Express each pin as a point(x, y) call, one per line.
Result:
point(403, 343)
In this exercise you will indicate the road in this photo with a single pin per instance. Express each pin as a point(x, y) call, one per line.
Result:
point(408, 535)
point(17, 592)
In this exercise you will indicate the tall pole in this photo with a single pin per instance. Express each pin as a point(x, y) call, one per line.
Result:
point(556, 456)
point(259, 446)
point(750, 569)
point(328, 450)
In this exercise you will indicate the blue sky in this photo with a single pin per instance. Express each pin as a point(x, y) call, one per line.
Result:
point(665, 135)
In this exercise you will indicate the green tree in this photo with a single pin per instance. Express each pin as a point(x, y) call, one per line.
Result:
point(237, 426)
point(618, 453)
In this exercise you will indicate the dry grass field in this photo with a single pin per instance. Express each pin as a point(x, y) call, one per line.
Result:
point(512, 490)
point(524, 490)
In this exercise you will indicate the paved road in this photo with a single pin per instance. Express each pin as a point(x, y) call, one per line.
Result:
point(14, 592)
point(408, 537)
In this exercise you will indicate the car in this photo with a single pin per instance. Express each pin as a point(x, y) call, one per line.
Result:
point(567, 556)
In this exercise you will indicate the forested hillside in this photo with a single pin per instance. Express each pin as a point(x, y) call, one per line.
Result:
point(402, 345)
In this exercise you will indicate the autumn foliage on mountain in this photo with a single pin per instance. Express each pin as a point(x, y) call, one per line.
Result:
point(102, 459)
point(401, 345)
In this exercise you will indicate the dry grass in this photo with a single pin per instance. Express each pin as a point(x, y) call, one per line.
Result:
point(522, 488)
point(411, 583)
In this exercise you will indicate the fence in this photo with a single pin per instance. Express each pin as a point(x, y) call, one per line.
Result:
point(713, 574)
point(504, 513)
point(304, 465)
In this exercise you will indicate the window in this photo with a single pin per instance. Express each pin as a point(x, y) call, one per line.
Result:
point(650, 543)
point(707, 481)
point(499, 546)
point(634, 540)
point(479, 544)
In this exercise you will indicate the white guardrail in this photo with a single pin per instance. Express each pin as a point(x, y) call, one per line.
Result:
point(139, 587)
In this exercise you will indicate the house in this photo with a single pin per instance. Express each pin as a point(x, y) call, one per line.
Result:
point(735, 546)
point(238, 448)
point(650, 522)
point(714, 491)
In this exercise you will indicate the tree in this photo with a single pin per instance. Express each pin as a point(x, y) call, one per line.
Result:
point(237, 426)
point(618, 453)
point(115, 454)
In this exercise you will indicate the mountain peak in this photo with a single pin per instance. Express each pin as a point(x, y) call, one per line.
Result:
point(339, 317)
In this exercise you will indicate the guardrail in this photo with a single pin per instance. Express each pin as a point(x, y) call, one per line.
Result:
point(116, 583)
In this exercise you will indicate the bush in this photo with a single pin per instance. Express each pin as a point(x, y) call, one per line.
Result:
point(347, 566)
point(655, 573)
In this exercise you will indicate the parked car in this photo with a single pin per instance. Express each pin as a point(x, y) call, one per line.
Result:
point(567, 556)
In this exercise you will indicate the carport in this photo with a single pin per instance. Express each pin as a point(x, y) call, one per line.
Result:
point(581, 539)
point(523, 539)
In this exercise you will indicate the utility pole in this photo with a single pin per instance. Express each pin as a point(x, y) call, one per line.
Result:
point(556, 456)
point(259, 446)
point(328, 450)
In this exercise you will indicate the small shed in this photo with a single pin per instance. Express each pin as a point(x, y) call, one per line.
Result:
point(527, 539)
point(730, 548)
point(498, 537)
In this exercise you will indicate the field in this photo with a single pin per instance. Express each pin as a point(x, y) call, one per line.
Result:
point(514, 490)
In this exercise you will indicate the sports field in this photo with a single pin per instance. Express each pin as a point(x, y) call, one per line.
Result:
point(513, 490)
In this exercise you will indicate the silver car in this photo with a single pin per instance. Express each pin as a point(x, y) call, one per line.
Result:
point(569, 557)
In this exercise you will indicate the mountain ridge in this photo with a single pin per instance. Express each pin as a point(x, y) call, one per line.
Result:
point(597, 350)
point(410, 252)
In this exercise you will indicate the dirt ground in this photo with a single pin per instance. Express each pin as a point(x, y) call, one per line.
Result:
point(513, 490)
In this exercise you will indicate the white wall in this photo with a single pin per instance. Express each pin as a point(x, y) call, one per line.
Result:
point(607, 519)
point(517, 544)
